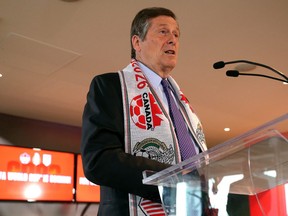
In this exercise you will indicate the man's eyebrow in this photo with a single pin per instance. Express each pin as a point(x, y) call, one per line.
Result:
point(164, 25)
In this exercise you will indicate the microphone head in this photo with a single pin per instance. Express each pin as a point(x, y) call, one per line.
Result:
point(219, 65)
point(232, 73)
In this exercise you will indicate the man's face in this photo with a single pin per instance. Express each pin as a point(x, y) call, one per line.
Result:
point(159, 49)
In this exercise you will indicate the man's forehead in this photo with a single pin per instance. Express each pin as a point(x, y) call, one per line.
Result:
point(162, 23)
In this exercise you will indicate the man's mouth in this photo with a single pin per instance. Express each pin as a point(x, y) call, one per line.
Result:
point(170, 52)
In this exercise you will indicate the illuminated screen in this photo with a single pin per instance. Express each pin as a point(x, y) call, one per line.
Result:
point(34, 175)
point(86, 191)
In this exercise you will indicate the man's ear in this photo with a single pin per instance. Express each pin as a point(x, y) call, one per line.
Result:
point(136, 43)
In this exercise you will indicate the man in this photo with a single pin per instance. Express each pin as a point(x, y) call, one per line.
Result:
point(126, 123)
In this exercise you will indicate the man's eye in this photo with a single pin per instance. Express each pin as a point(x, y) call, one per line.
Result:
point(176, 34)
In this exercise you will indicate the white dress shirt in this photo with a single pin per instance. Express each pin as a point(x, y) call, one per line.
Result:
point(155, 81)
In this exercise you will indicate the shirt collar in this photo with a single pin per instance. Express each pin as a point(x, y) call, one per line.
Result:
point(153, 78)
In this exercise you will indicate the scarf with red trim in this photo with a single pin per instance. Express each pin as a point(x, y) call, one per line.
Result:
point(149, 129)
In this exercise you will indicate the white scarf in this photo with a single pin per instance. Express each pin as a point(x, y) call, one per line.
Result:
point(149, 129)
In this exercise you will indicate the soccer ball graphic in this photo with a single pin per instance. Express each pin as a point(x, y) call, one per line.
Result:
point(143, 153)
point(136, 113)
point(145, 112)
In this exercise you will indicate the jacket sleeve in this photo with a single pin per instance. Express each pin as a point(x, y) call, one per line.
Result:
point(104, 159)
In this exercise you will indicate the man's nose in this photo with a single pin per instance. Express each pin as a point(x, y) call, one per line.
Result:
point(172, 39)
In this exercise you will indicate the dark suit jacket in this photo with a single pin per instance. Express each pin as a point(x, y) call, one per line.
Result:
point(104, 161)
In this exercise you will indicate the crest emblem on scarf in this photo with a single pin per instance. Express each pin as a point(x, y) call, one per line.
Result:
point(145, 112)
point(154, 149)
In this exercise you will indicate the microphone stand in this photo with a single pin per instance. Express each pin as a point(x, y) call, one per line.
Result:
point(235, 73)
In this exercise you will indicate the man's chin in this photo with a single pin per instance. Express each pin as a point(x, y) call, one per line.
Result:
point(172, 64)
point(170, 67)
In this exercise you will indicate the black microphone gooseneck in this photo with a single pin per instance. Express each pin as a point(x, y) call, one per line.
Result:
point(235, 73)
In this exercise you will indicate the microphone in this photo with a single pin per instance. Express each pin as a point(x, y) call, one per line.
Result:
point(219, 65)
point(235, 73)
point(232, 73)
